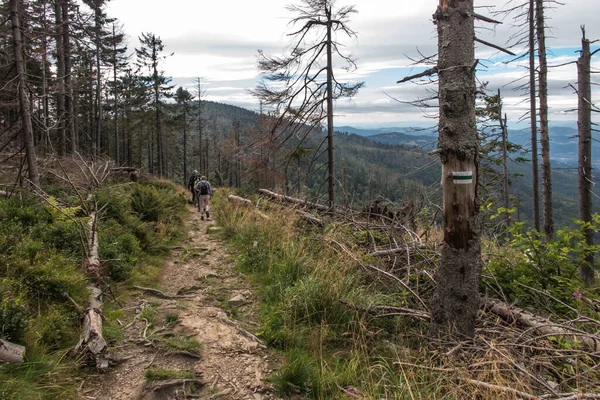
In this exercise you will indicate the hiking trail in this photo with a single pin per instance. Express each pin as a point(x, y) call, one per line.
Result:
point(214, 305)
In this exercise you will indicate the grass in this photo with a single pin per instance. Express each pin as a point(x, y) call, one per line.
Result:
point(313, 291)
point(181, 343)
point(40, 249)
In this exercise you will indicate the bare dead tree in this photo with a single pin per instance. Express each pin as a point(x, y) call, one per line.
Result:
point(584, 124)
point(544, 134)
point(303, 84)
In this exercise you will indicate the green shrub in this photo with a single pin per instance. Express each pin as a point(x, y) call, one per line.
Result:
point(62, 236)
point(12, 320)
point(527, 266)
point(56, 329)
point(122, 248)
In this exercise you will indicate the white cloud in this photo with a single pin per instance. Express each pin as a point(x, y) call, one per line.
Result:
point(218, 41)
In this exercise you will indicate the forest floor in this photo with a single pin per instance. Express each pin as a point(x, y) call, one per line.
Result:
point(215, 306)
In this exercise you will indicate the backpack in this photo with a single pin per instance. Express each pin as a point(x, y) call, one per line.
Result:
point(203, 187)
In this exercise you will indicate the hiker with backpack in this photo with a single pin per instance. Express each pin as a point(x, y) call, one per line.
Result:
point(203, 191)
point(192, 183)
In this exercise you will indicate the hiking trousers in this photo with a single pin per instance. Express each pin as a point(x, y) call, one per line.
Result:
point(203, 200)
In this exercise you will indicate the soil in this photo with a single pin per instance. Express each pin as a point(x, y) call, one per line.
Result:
point(214, 304)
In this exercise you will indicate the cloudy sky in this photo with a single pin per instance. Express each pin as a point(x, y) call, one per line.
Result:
point(218, 41)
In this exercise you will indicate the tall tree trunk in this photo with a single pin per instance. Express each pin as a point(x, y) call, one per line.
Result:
point(185, 176)
point(60, 79)
point(23, 99)
point(535, 184)
point(330, 149)
point(504, 160)
point(69, 114)
point(45, 140)
point(455, 301)
point(586, 271)
point(544, 134)
point(200, 158)
point(116, 97)
point(98, 97)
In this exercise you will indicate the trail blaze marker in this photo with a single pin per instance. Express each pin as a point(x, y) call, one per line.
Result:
point(462, 177)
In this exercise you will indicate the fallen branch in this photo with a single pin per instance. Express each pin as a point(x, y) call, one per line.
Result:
point(11, 352)
point(157, 293)
point(389, 311)
point(503, 389)
point(541, 325)
point(309, 217)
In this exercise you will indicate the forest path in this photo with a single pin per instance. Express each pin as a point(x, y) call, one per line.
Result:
point(214, 305)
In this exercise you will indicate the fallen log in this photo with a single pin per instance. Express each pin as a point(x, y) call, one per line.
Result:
point(542, 326)
point(240, 201)
point(288, 199)
point(11, 352)
point(91, 339)
point(124, 169)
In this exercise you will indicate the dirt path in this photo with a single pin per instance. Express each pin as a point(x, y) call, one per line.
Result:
point(214, 305)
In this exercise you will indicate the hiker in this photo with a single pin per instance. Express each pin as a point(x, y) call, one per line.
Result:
point(203, 192)
point(191, 184)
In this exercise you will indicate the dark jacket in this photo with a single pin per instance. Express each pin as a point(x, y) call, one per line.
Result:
point(202, 183)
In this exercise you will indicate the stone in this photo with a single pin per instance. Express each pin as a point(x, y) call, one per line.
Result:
point(237, 300)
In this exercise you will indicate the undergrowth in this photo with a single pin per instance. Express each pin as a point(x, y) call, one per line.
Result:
point(318, 294)
point(42, 275)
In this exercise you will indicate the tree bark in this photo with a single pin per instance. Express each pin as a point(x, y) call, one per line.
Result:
point(91, 337)
point(23, 99)
point(116, 98)
point(68, 81)
point(544, 134)
point(330, 154)
point(504, 160)
point(60, 79)
point(586, 270)
point(533, 120)
point(11, 352)
point(456, 299)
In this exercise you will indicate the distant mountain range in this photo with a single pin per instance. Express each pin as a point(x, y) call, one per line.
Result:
point(563, 141)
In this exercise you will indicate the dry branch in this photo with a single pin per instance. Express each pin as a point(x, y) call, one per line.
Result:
point(310, 218)
point(502, 389)
point(157, 293)
point(427, 72)
point(11, 352)
point(541, 325)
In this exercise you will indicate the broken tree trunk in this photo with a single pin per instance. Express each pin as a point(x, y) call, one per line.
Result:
point(91, 339)
point(11, 352)
point(541, 325)
point(584, 123)
point(288, 199)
